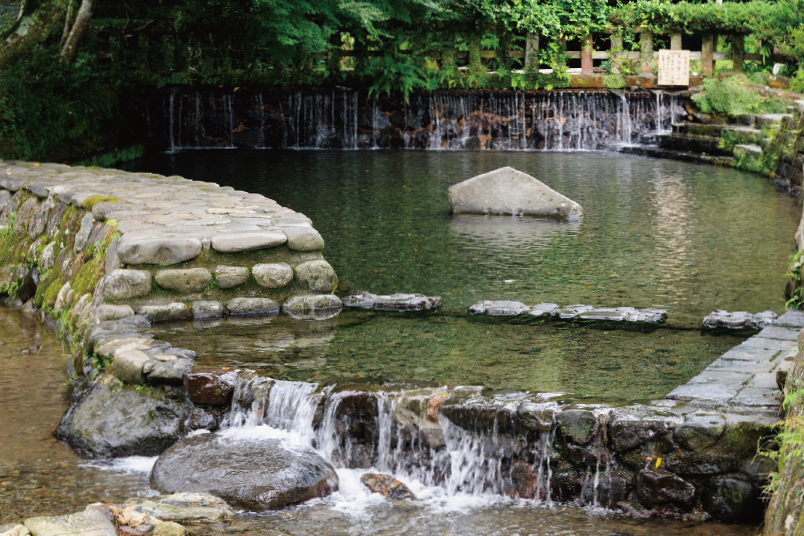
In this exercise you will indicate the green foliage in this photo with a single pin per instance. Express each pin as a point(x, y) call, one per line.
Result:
point(614, 81)
point(731, 96)
point(796, 301)
point(797, 82)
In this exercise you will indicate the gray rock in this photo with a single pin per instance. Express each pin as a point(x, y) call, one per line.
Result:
point(112, 312)
point(254, 471)
point(303, 239)
point(392, 302)
point(237, 242)
point(605, 314)
point(168, 528)
point(186, 281)
point(318, 306)
point(158, 250)
point(571, 311)
point(272, 275)
point(252, 306)
point(230, 276)
point(24, 216)
point(184, 507)
point(38, 222)
point(508, 191)
point(499, 308)
point(126, 284)
point(48, 258)
point(164, 313)
point(169, 372)
point(631, 427)
point(543, 309)
point(62, 302)
point(732, 499)
point(114, 420)
point(649, 316)
point(700, 431)
point(11, 529)
point(55, 219)
point(317, 276)
point(657, 488)
point(83, 233)
point(207, 309)
point(738, 320)
point(112, 260)
point(5, 197)
point(579, 425)
point(129, 364)
point(90, 522)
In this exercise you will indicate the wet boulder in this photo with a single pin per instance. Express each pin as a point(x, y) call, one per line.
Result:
point(255, 468)
point(659, 487)
point(387, 486)
point(732, 499)
point(508, 191)
point(118, 420)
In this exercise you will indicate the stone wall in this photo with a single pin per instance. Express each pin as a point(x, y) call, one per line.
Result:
point(101, 254)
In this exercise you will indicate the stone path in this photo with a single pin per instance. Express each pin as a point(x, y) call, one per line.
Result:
point(747, 378)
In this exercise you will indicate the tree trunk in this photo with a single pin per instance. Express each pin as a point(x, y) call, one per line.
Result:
point(35, 24)
point(67, 21)
point(70, 50)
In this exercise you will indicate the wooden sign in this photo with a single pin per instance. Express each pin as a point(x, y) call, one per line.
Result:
point(674, 68)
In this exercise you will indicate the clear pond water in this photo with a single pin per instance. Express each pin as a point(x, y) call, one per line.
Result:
point(656, 233)
point(40, 476)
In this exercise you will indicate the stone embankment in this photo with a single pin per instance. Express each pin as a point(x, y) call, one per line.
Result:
point(103, 253)
point(767, 144)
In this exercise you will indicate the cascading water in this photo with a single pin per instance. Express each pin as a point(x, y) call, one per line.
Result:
point(431, 453)
point(565, 120)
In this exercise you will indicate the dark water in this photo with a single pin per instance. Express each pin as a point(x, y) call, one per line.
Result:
point(657, 233)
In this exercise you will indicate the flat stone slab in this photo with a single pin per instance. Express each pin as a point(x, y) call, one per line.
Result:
point(88, 523)
point(577, 312)
point(238, 242)
point(508, 191)
point(791, 319)
point(780, 333)
point(738, 320)
point(392, 302)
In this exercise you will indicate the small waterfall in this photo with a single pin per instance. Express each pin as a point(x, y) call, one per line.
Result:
point(565, 120)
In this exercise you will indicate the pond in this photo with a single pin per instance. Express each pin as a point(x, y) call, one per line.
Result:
point(662, 234)
point(656, 233)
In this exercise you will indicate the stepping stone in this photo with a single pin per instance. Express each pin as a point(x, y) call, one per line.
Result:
point(392, 302)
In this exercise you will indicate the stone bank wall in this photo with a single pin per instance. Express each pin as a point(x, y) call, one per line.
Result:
point(88, 245)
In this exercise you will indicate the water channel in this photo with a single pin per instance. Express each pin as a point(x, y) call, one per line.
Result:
point(685, 238)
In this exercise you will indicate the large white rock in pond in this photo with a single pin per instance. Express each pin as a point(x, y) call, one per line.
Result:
point(508, 191)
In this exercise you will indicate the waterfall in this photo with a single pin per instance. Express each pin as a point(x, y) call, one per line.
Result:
point(563, 120)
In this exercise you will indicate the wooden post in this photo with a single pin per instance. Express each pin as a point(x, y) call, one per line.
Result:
point(707, 56)
point(646, 53)
point(675, 41)
point(532, 53)
point(738, 52)
point(475, 65)
point(586, 55)
point(615, 52)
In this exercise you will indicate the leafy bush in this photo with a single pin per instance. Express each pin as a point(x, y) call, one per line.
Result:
point(731, 97)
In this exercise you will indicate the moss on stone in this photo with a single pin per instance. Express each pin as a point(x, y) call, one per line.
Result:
point(93, 200)
point(614, 81)
point(88, 276)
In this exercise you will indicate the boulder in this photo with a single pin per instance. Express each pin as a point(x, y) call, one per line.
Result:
point(508, 191)
point(659, 487)
point(272, 275)
point(186, 280)
point(256, 469)
point(317, 276)
point(183, 507)
point(117, 420)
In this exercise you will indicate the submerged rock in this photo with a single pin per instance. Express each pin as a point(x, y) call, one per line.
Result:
point(392, 302)
point(183, 507)
point(253, 468)
point(387, 486)
point(88, 523)
point(499, 308)
point(508, 191)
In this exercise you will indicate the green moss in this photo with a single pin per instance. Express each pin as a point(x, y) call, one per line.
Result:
point(614, 81)
point(93, 200)
point(732, 96)
point(88, 276)
point(745, 439)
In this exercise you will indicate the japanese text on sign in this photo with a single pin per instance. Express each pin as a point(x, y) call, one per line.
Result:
point(674, 67)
